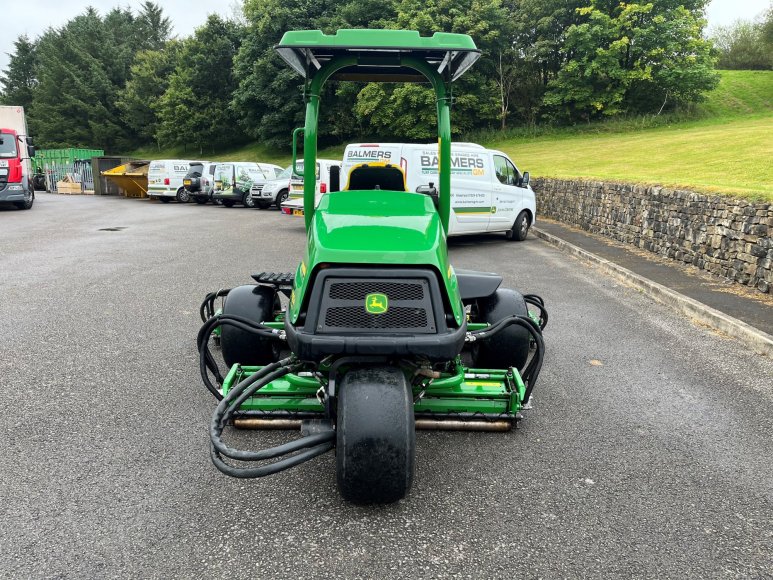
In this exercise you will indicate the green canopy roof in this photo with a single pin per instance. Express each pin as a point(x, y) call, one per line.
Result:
point(378, 53)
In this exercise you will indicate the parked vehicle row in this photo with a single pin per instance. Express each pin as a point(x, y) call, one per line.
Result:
point(225, 182)
point(488, 191)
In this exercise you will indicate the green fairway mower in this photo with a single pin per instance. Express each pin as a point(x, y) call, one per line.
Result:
point(384, 336)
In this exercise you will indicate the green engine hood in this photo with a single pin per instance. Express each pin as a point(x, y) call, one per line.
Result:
point(379, 228)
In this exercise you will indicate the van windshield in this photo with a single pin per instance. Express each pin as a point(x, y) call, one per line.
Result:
point(7, 146)
point(286, 173)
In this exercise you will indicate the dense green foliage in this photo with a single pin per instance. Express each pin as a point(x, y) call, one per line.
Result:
point(117, 81)
point(745, 45)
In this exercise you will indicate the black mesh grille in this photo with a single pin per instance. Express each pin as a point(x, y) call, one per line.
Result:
point(393, 290)
point(408, 305)
point(356, 317)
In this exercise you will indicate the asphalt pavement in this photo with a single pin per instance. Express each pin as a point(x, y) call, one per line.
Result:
point(648, 453)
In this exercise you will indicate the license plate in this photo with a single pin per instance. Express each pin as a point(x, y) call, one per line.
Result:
point(297, 212)
point(186, 181)
point(296, 187)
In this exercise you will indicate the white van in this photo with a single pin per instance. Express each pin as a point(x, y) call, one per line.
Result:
point(488, 192)
point(294, 205)
point(242, 181)
point(165, 179)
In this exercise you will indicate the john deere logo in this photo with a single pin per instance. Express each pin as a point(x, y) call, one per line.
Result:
point(376, 303)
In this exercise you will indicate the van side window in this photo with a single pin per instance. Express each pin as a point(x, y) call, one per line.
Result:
point(504, 170)
point(514, 171)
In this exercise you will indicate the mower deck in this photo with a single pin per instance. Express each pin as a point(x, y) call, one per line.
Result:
point(481, 399)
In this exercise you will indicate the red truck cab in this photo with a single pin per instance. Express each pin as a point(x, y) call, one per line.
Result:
point(16, 150)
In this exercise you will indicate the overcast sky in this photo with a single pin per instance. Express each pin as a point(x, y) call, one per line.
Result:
point(31, 17)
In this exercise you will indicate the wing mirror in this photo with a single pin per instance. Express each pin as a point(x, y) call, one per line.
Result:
point(431, 191)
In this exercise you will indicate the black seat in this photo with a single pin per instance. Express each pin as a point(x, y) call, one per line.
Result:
point(388, 177)
point(474, 284)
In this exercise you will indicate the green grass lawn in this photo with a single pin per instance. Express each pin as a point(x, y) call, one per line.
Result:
point(735, 157)
point(723, 145)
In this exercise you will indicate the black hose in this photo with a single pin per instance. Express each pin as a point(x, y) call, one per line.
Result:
point(532, 370)
point(207, 308)
point(537, 301)
point(207, 362)
point(276, 467)
point(309, 446)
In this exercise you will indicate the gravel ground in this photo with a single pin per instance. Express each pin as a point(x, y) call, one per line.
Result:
point(649, 451)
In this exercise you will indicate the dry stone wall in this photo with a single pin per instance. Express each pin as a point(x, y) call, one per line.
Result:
point(726, 236)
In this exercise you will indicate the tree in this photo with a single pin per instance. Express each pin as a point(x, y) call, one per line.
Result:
point(20, 78)
point(195, 108)
point(139, 100)
point(269, 96)
point(82, 67)
point(743, 45)
point(631, 58)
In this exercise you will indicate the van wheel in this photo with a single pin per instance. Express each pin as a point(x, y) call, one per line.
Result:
point(27, 203)
point(163, 199)
point(281, 198)
point(248, 200)
point(520, 228)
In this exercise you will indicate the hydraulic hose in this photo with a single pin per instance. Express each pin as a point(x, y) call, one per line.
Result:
point(309, 446)
point(532, 370)
point(537, 301)
point(207, 362)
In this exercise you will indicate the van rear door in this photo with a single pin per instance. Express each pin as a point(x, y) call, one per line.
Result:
point(471, 184)
point(357, 153)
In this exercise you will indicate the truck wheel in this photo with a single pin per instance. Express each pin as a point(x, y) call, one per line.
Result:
point(520, 227)
point(201, 200)
point(510, 347)
point(27, 203)
point(281, 198)
point(183, 196)
point(163, 199)
point(228, 202)
point(257, 303)
point(248, 200)
point(375, 435)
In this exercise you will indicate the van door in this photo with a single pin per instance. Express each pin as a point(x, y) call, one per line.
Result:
point(470, 185)
point(507, 197)
point(224, 178)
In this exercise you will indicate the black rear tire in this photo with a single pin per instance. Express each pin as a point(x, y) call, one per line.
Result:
point(281, 198)
point(509, 347)
point(248, 200)
point(375, 436)
point(257, 303)
point(27, 203)
point(520, 227)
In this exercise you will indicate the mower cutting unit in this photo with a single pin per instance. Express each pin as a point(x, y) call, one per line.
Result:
point(377, 335)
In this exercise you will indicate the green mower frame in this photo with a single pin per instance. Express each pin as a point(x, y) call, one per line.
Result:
point(384, 336)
